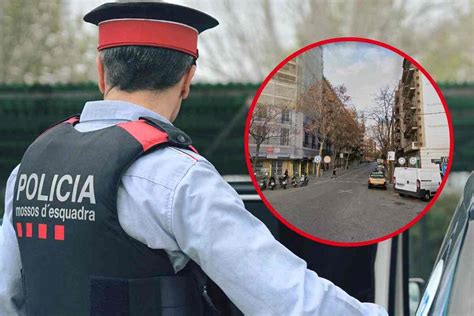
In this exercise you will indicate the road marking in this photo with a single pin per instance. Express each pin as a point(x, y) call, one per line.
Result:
point(344, 191)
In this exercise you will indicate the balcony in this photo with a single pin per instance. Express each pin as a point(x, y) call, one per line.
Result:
point(408, 119)
point(411, 146)
point(408, 74)
point(409, 105)
point(408, 89)
point(410, 130)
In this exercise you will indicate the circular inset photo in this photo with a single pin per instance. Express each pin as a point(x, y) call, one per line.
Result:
point(349, 141)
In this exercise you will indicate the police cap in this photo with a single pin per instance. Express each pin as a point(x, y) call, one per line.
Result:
point(156, 24)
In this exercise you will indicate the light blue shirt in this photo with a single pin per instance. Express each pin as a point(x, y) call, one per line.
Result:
point(174, 199)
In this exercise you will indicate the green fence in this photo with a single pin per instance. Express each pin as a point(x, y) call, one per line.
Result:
point(214, 117)
point(461, 106)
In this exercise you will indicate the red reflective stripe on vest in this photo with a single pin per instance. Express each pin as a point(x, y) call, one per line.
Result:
point(193, 149)
point(144, 133)
point(72, 120)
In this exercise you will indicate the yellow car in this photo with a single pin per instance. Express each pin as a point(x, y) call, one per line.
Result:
point(377, 179)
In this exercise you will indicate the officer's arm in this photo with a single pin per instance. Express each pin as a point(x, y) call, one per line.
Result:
point(11, 295)
point(239, 253)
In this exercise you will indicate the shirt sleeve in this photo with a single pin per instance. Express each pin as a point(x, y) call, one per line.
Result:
point(11, 292)
point(238, 252)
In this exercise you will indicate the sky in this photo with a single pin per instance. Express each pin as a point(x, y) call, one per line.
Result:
point(363, 68)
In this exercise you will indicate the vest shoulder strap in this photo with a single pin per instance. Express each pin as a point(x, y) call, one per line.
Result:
point(150, 133)
point(73, 119)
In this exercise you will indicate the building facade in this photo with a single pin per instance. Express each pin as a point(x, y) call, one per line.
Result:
point(420, 122)
point(292, 148)
point(369, 149)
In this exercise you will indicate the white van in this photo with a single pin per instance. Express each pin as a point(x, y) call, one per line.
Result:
point(422, 183)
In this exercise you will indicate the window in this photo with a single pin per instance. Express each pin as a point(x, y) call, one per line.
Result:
point(274, 140)
point(285, 78)
point(285, 116)
point(285, 137)
point(306, 139)
point(277, 167)
point(313, 141)
point(289, 67)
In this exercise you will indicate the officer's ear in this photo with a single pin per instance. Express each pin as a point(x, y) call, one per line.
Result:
point(188, 76)
point(101, 73)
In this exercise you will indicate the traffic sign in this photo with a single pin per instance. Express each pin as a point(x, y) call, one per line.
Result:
point(317, 159)
point(327, 159)
point(391, 156)
point(402, 160)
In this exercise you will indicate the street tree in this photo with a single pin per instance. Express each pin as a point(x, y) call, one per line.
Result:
point(346, 136)
point(431, 31)
point(264, 127)
point(322, 107)
point(382, 115)
point(341, 93)
point(42, 43)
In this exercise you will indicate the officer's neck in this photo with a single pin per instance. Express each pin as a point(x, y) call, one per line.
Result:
point(165, 103)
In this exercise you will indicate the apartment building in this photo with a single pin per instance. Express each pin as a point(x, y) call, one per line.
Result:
point(421, 125)
point(293, 148)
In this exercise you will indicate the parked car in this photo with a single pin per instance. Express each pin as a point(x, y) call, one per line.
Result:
point(417, 182)
point(377, 179)
point(451, 284)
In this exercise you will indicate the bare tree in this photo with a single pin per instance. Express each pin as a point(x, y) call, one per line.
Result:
point(341, 92)
point(255, 35)
point(383, 117)
point(264, 126)
point(322, 108)
point(382, 114)
point(41, 42)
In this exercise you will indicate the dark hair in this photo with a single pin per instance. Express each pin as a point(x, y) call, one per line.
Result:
point(132, 68)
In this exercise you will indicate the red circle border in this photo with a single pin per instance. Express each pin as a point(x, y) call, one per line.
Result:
point(247, 152)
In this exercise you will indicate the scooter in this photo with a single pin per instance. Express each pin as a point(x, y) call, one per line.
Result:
point(263, 182)
point(304, 180)
point(282, 181)
point(272, 183)
point(294, 181)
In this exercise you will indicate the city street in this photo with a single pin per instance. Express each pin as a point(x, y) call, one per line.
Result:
point(344, 209)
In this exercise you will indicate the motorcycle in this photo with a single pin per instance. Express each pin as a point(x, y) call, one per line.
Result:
point(271, 183)
point(283, 181)
point(304, 180)
point(262, 183)
point(294, 181)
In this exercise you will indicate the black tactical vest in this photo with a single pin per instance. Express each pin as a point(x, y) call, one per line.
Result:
point(76, 258)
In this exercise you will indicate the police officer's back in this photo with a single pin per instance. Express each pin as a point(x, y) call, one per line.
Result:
point(113, 212)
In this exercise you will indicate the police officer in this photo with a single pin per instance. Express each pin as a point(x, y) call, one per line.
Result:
point(115, 213)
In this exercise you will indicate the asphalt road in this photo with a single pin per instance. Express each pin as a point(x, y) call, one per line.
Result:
point(344, 209)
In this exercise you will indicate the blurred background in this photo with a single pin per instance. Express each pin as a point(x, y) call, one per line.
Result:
point(47, 72)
